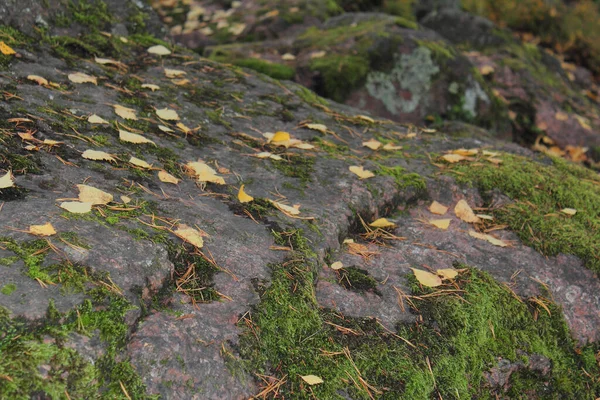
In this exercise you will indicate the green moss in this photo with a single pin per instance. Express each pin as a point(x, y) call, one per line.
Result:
point(403, 179)
point(441, 51)
point(354, 278)
point(458, 340)
point(8, 289)
point(539, 193)
point(341, 74)
point(216, 117)
point(311, 97)
point(295, 166)
point(90, 14)
point(274, 70)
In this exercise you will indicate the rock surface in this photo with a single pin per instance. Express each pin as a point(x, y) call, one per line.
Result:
point(121, 303)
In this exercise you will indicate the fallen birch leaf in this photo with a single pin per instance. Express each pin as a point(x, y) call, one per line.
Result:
point(189, 235)
point(365, 118)
point(484, 216)
point(391, 147)
point(382, 223)
point(447, 273)
point(453, 158)
point(94, 119)
point(440, 223)
point(166, 177)
point(464, 212)
point(42, 230)
point(167, 114)
point(133, 138)
point(569, 211)
point(437, 208)
point(97, 155)
point(372, 144)
point(76, 207)
point(94, 196)
point(139, 163)
point(159, 50)
point(7, 180)
point(174, 73)
point(126, 199)
point(266, 154)
point(244, 197)
point(151, 86)
point(317, 127)
point(281, 137)
point(488, 238)
point(204, 173)
point(295, 210)
point(165, 129)
point(427, 278)
point(124, 112)
point(311, 379)
point(361, 172)
point(337, 265)
point(6, 49)
point(80, 77)
point(38, 79)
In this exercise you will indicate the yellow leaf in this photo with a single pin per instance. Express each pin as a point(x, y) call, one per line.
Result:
point(453, 158)
point(183, 128)
point(464, 212)
point(174, 73)
point(89, 194)
point(486, 217)
point(97, 155)
point(42, 230)
point(465, 152)
point(237, 28)
point(302, 145)
point(50, 142)
point(495, 161)
point(281, 137)
point(382, 223)
point(204, 173)
point(6, 49)
point(190, 235)
point(311, 379)
point(447, 273)
point(151, 86)
point(288, 57)
point(391, 147)
point(165, 128)
point(94, 119)
point(427, 278)
point(295, 210)
point(181, 82)
point(266, 154)
point(126, 199)
point(437, 208)
point(133, 137)
point(488, 153)
point(159, 50)
point(486, 70)
point(166, 177)
point(337, 265)
point(412, 135)
point(365, 118)
point(7, 180)
point(139, 163)
point(583, 122)
point(80, 77)
point(105, 61)
point(488, 238)
point(372, 144)
point(361, 172)
point(167, 114)
point(38, 79)
point(348, 241)
point(318, 54)
point(124, 112)
point(76, 207)
point(569, 211)
point(317, 127)
point(243, 197)
point(440, 223)
point(561, 116)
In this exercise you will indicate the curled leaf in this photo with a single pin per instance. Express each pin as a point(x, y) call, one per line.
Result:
point(244, 197)
point(427, 278)
point(159, 50)
point(166, 177)
point(139, 163)
point(382, 223)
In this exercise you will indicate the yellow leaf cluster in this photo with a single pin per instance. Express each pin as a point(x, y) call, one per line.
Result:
point(204, 173)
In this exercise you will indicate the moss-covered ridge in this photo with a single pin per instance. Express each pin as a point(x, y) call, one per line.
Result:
point(540, 192)
point(461, 336)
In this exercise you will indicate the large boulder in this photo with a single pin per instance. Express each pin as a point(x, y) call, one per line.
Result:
point(227, 239)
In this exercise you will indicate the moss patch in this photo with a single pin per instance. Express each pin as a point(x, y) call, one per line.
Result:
point(341, 74)
point(289, 336)
point(539, 193)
